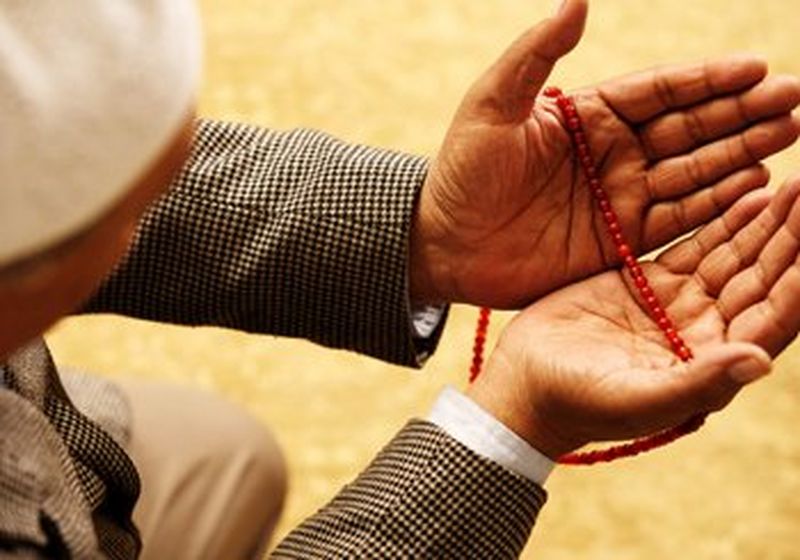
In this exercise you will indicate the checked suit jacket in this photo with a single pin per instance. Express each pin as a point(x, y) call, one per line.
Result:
point(290, 233)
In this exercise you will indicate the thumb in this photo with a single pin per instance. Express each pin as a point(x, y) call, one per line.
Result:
point(712, 379)
point(513, 82)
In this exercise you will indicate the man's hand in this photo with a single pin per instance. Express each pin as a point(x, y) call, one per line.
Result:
point(505, 215)
point(587, 363)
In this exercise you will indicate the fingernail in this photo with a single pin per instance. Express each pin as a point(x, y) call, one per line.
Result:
point(748, 370)
point(560, 4)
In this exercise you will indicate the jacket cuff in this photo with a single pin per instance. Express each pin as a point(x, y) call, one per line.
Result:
point(424, 496)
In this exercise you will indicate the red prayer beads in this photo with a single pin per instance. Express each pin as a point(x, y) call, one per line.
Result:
point(480, 340)
point(650, 300)
point(635, 447)
point(639, 281)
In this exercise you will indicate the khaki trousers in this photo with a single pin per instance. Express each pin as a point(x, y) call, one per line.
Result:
point(213, 478)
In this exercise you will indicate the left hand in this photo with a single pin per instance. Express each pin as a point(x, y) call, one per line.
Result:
point(505, 215)
point(587, 363)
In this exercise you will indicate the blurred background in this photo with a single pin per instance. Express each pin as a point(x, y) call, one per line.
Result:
point(391, 73)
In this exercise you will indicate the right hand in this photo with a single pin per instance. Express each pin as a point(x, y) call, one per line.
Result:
point(505, 215)
point(587, 364)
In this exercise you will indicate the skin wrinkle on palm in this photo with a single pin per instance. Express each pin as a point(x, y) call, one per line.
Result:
point(622, 391)
point(491, 153)
point(363, 71)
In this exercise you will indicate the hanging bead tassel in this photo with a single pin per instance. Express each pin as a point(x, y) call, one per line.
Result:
point(649, 298)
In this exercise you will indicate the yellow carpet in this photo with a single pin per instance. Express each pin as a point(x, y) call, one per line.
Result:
point(390, 73)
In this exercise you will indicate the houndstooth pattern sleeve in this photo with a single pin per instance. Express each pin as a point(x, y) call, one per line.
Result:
point(424, 496)
point(289, 233)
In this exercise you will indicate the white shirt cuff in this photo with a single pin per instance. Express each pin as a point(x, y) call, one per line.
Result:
point(468, 423)
point(425, 319)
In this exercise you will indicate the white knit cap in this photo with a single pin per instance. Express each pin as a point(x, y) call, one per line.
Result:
point(91, 92)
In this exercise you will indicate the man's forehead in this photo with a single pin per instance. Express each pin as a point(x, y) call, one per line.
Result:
point(89, 97)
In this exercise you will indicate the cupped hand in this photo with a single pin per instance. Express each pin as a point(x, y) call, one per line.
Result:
point(588, 364)
point(505, 215)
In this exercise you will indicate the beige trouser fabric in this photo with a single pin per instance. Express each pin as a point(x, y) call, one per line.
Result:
point(213, 478)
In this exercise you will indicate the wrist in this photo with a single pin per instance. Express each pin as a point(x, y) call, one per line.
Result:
point(429, 263)
point(501, 391)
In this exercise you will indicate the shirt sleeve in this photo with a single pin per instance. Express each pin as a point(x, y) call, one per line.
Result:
point(468, 423)
point(427, 323)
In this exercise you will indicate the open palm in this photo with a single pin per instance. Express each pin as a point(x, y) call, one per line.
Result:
point(507, 214)
point(597, 366)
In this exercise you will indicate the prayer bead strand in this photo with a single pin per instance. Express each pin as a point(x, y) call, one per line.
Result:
point(480, 341)
point(650, 300)
point(638, 278)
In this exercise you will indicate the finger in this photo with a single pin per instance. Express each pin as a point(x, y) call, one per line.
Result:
point(666, 221)
point(707, 383)
point(641, 96)
point(508, 90)
point(756, 282)
point(677, 176)
point(717, 268)
point(678, 132)
point(685, 257)
point(713, 378)
point(772, 323)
